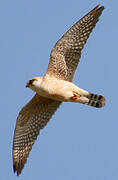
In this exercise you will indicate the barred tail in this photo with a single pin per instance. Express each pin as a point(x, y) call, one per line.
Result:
point(96, 100)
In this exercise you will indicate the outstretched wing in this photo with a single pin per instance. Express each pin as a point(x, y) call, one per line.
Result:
point(32, 118)
point(66, 53)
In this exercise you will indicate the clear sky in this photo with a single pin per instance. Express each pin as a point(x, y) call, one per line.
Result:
point(80, 142)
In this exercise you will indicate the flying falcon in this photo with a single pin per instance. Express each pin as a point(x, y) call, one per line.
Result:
point(54, 88)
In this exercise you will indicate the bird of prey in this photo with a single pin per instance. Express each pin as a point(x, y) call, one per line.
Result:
point(54, 88)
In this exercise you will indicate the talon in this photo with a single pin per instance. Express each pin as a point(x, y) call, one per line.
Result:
point(75, 96)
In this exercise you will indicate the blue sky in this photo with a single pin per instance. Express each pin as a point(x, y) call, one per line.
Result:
point(79, 142)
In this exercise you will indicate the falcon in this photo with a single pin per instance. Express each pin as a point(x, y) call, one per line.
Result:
point(55, 87)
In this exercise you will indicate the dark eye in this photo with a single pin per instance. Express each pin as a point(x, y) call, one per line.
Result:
point(31, 81)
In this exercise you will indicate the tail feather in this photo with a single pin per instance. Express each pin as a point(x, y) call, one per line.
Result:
point(96, 100)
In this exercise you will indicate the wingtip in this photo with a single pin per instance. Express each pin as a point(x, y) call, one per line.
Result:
point(15, 170)
point(99, 6)
point(98, 10)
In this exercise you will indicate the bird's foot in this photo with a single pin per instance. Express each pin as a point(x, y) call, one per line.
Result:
point(75, 96)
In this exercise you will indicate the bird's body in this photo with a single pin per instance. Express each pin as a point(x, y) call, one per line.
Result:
point(54, 88)
point(64, 91)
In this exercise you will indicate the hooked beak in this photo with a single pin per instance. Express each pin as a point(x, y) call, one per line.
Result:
point(26, 85)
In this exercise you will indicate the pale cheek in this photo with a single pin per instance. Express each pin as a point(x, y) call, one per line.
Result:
point(36, 86)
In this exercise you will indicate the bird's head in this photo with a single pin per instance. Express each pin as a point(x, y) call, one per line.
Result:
point(34, 83)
